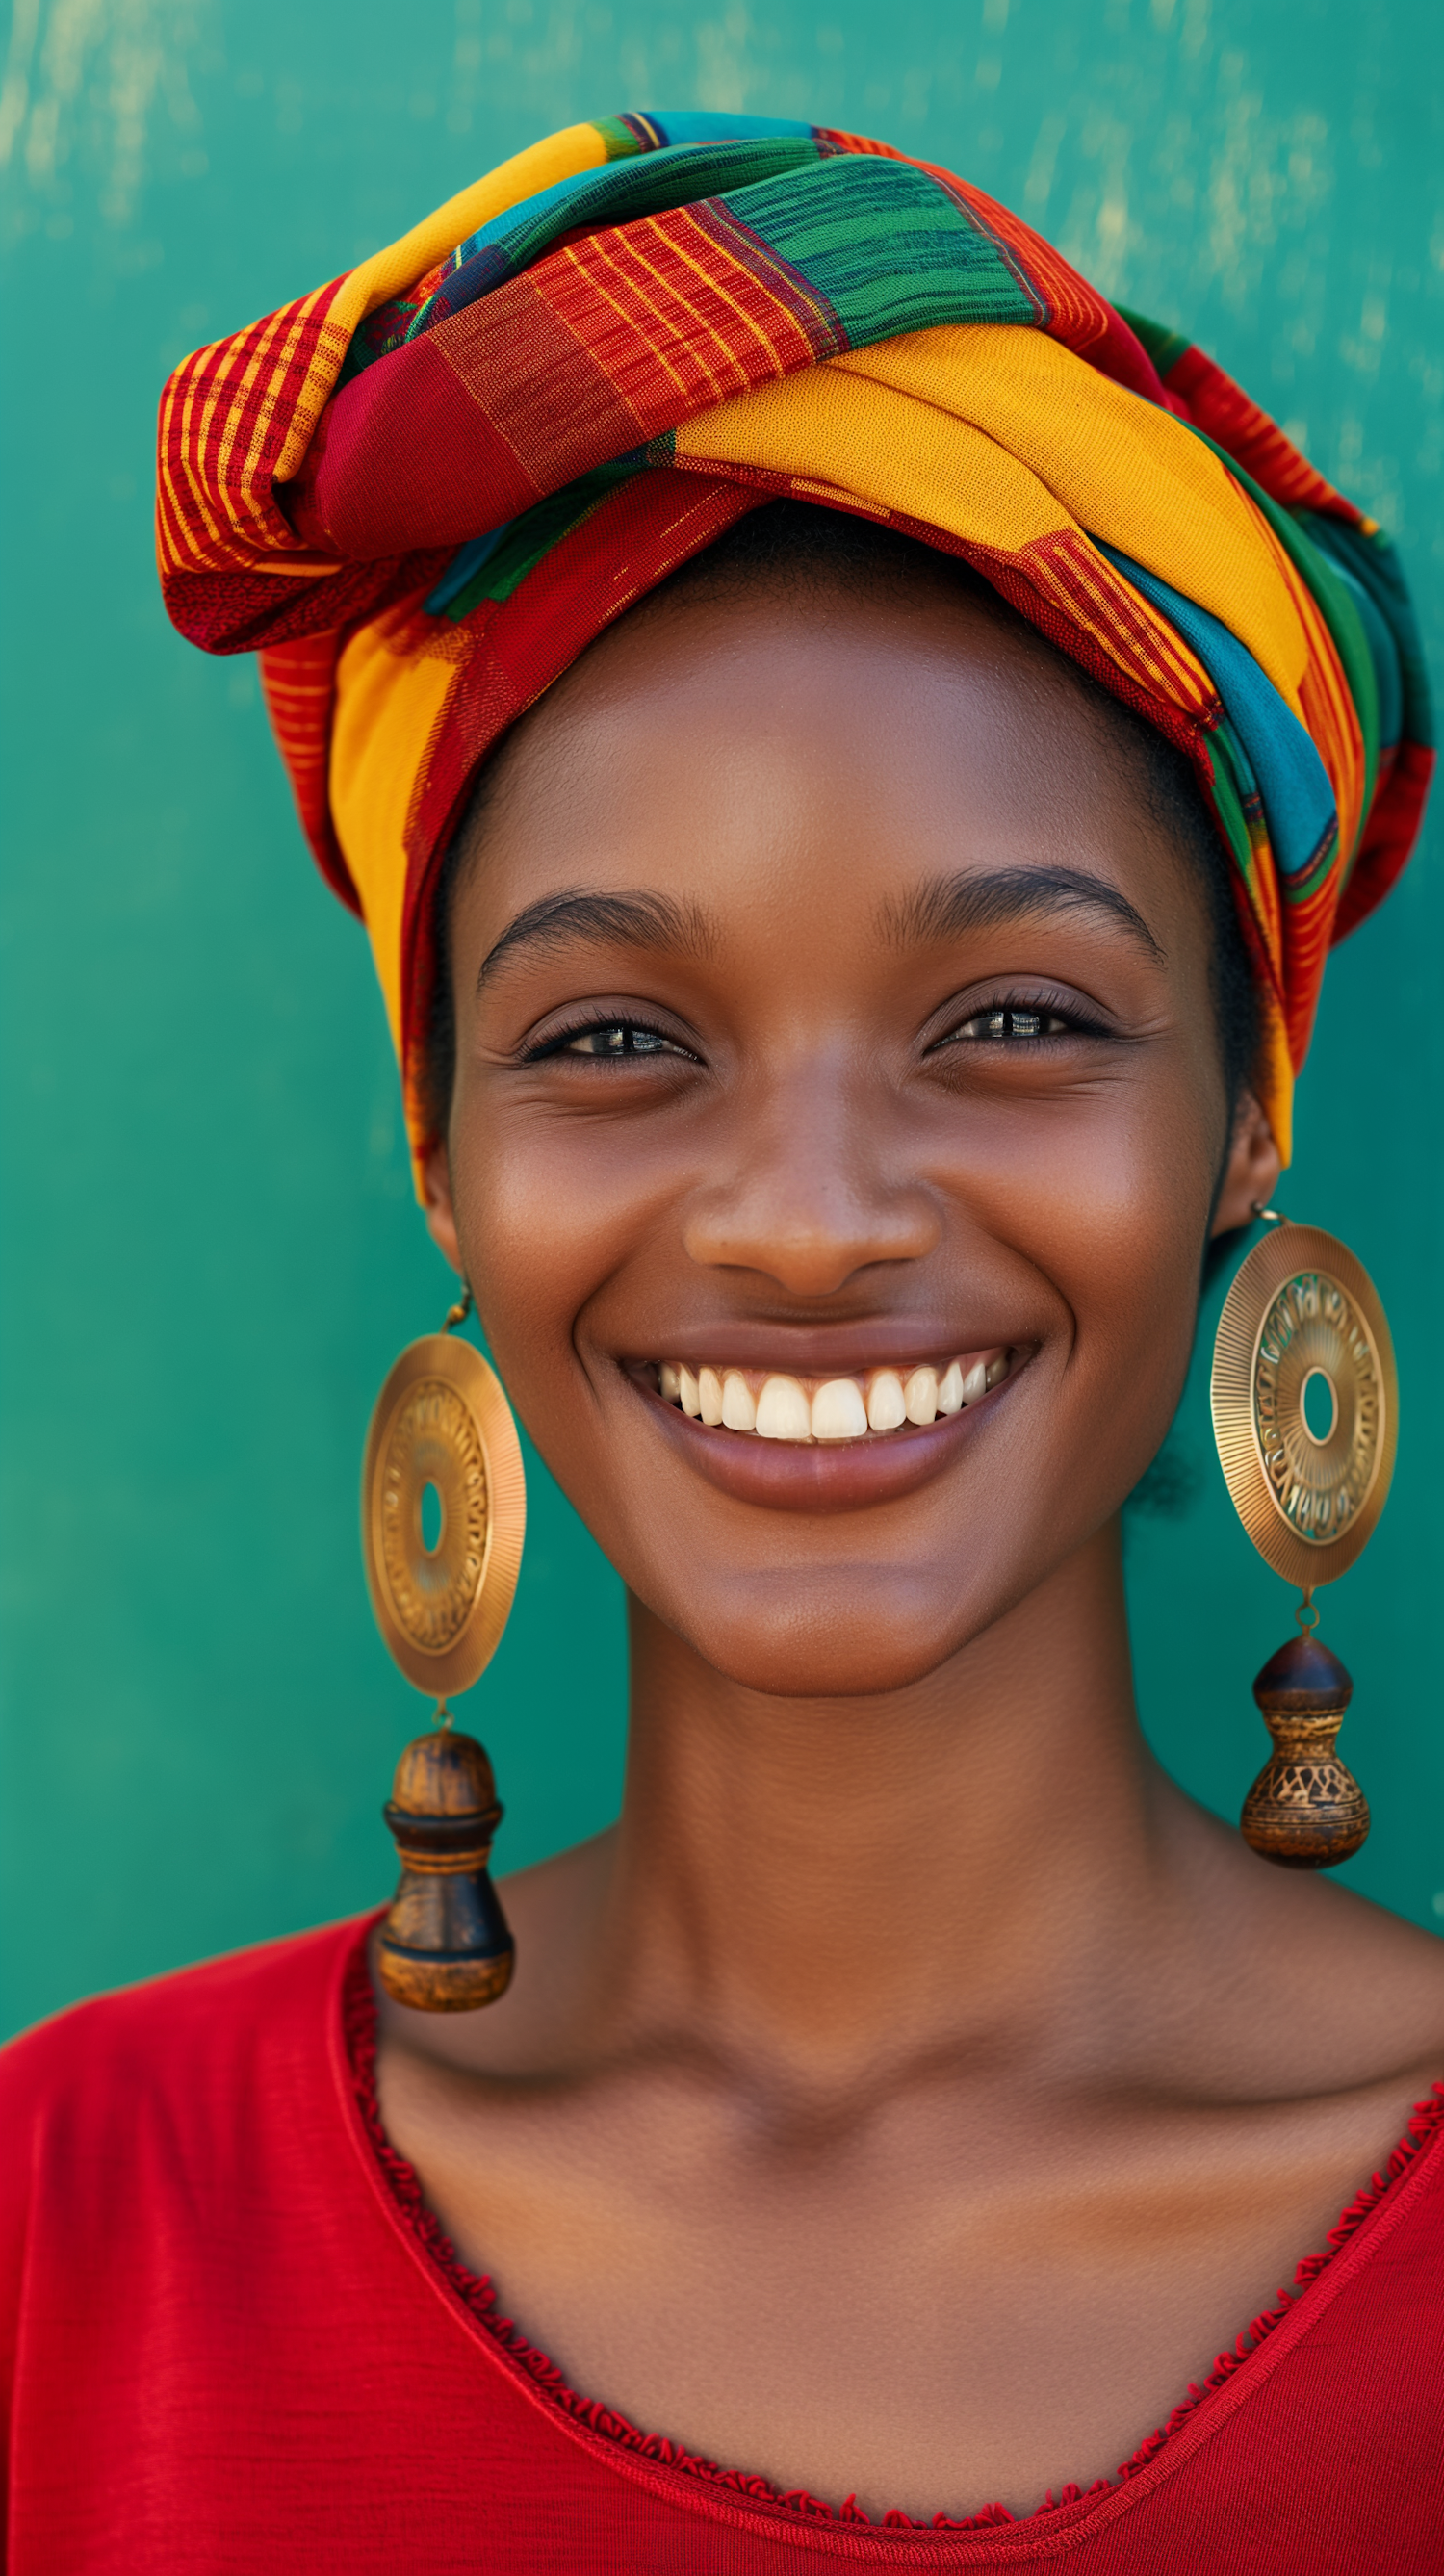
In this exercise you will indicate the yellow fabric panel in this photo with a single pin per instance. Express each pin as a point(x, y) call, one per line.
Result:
point(867, 438)
point(387, 706)
point(1131, 475)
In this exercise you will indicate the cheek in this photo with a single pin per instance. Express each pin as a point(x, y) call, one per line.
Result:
point(522, 1240)
point(1111, 1204)
point(549, 1210)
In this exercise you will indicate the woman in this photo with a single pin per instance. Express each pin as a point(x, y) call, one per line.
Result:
point(850, 865)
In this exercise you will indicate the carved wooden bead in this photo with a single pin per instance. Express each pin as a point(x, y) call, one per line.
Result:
point(1305, 1809)
point(445, 1945)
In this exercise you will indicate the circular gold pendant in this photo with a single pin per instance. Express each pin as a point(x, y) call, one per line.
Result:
point(443, 1513)
point(1305, 1402)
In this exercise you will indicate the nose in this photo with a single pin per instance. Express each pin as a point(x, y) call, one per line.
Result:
point(809, 1201)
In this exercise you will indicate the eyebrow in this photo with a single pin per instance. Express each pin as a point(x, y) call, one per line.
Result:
point(651, 921)
point(947, 907)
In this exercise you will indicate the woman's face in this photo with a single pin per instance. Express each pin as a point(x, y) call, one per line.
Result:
point(832, 1010)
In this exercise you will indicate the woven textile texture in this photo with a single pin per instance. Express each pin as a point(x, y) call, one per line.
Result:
point(422, 490)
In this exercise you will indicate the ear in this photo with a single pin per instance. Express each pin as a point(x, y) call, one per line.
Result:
point(1251, 1172)
point(440, 1211)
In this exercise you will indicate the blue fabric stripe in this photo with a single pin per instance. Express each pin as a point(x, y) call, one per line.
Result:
point(1298, 801)
point(686, 125)
point(467, 560)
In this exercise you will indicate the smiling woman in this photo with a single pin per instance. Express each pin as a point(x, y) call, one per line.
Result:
point(842, 1000)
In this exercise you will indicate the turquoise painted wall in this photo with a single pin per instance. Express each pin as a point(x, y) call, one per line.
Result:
point(210, 1250)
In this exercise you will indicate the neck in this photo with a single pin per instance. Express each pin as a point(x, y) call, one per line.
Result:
point(819, 1881)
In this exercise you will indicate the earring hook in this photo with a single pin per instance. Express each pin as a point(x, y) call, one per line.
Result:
point(458, 1313)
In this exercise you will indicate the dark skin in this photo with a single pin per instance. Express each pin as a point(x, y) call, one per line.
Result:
point(914, 2091)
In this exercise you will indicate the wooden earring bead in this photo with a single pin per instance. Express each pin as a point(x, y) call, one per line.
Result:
point(445, 1945)
point(1305, 1809)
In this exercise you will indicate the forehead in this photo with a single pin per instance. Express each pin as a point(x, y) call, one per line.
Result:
point(767, 743)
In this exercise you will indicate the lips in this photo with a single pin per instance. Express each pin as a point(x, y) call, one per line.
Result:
point(831, 1471)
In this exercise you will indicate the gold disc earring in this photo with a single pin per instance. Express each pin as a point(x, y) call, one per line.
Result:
point(442, 1449)
point(1305, 1414)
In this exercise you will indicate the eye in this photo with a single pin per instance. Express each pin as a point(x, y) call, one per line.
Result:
point(613, 1040)
point(1012, 1020)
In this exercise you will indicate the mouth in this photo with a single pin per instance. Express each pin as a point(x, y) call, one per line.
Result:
point(834, 1442)
point(871, 1404)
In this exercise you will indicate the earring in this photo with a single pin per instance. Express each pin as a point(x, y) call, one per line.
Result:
point(1305, 1414)
point(442, 1445)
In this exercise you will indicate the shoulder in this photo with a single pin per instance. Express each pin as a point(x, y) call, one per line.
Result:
point(1302, 1985)
point(185, 2046)
point(1372, 1982)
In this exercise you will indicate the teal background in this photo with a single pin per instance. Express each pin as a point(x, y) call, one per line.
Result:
point(211, 1254)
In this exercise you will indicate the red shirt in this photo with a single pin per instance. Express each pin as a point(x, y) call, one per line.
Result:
point(232, 2340)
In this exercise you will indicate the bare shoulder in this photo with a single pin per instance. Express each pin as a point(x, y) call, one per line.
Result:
point(1306, 1986)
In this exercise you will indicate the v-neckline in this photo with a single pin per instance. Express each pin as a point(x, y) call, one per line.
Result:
point(1258, 2347)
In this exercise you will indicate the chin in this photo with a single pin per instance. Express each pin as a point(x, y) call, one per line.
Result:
point(882, 1633)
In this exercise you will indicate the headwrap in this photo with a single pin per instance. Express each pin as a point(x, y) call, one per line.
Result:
point(422, 490)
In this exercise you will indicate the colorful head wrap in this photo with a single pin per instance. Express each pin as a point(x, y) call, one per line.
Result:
point(422, 490)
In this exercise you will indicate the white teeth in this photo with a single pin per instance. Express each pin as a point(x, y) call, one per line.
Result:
point(886, 1410)
point(783, 1412)
point(739, 1413)
point(920, 1395)
point(838, 1411)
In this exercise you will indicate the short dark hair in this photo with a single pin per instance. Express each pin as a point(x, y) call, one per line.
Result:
point(801, 547)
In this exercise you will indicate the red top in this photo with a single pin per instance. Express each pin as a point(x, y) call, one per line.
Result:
point(234, 2341)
